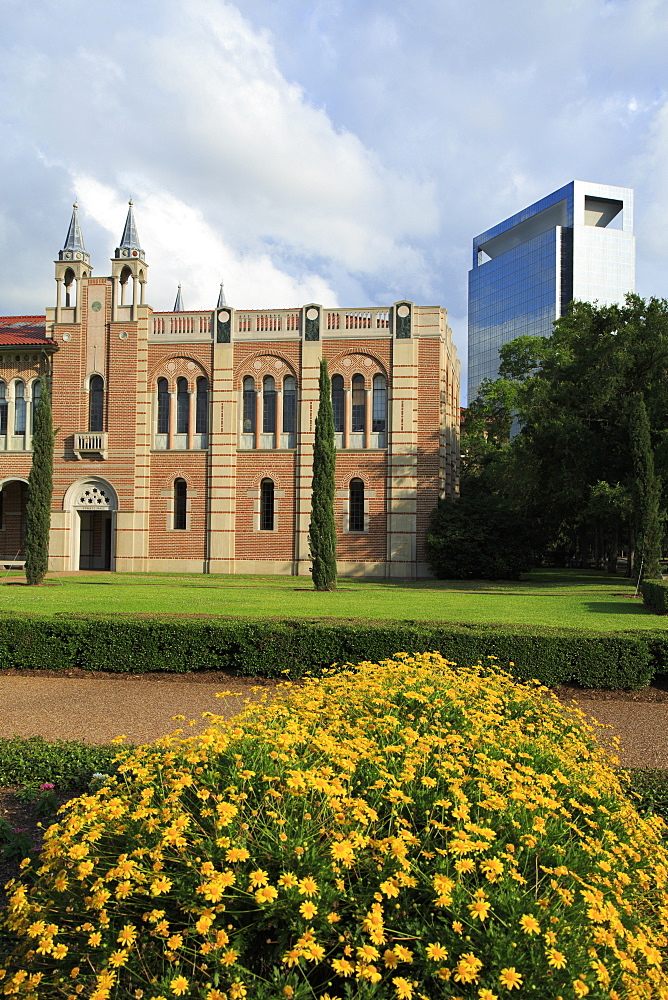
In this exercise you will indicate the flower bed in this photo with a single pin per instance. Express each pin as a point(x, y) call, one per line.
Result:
point(400, 830)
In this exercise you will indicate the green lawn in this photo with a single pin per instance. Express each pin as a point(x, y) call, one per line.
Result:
point(557, 597)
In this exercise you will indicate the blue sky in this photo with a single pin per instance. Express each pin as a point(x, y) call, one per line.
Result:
point(330, 150)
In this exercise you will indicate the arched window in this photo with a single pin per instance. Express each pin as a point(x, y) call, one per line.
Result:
point(36, 393)
point(180, 504)
point(289, 404)
point(70, 288)
point(249, 405)
point(124, 281)
point(3, 408)
point(356, 521)
point(96, 403)
point(19, 407)
point(379, 424)
point(359, 404)
point(268, 405)
point(338, 402)
point(202, 407)
point(266, 505)
point(163, 406)
point(182, 406)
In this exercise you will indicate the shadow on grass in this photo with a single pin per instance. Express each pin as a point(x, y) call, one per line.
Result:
point(616, 608)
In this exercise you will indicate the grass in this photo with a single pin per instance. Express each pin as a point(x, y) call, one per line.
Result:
point(577, 598)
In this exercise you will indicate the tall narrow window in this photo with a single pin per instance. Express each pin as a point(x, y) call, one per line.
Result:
point(289, 404)
point(180, 504)
point(266, 505)
point(202, 407)
point(359, 403)
point(19, 407)
point(356, 522)
point(3, 408)
point(379, 404)
point(163, 406)
point(36, 393)
point(182, 406)
point(338, 402)
point(268, 405)
point(249, 405)
point(96, 403)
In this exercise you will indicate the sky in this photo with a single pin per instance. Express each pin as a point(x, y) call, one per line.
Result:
point(337, 151)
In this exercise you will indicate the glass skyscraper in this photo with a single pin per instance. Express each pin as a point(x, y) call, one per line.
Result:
point(577, 243)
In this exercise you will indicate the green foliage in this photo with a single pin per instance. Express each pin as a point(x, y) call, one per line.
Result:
point(322, 529)
point(655, 595)
point(69, 765)
point(40, 490)
point(571, 394)
point(649, 788)
point(477, 536)
point(646, 490)
point(399, 830)
point(296, 646)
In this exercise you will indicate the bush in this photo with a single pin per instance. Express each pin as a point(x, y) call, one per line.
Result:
point(67, 764)
point(655, 595)
point(397, 830)
point(476, 536)
point(293, 647)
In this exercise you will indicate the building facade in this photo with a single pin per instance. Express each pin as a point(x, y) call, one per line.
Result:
point(577, 243)
point(185, 439)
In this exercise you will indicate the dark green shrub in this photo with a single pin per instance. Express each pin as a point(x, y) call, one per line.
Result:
point(69, 765)
point(293, 647)
point(655, 595)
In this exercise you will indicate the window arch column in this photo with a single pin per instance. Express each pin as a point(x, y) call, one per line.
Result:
point(192, 403)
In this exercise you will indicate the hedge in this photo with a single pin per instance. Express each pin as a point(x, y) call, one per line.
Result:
point(655, 595)
point(293, 647)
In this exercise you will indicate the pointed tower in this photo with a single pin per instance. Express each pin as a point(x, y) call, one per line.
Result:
point(178, 305)
point(128, 265)
point(72, 266)
point(222, 301)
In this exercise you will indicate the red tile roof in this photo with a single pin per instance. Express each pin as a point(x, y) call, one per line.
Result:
point(23, 331)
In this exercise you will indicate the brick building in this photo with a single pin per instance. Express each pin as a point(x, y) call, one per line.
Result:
point(185, 439)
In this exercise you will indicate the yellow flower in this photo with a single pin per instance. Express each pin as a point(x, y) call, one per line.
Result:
point(511, 979)
point(555, 958)
point(308, 910)
point(468, 968)
point(436, 952)
point(230, 957)
point(343, 967)
point(179, 985)
point(237, 854)
point(60, 951)
point(308, 886)
point(94, 939)
point(487, 995)
point(529, 924)
point(267, 894)
point(160, 885)
point(118, 958)
point(580, 988)
point(258, 877)
point(390, 959)
point(403, 987)
point(127, 935)
point(288, 880)
point(175, 941)
point(479, 908)
point(403, 954)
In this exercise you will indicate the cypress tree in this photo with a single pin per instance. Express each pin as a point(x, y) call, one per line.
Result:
point(40, 489)
point(322, 530)
point(646, 489)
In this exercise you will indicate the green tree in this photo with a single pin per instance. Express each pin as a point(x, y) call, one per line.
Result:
point(646, 491)
point(322, 529)
point(40, 489)
point(570, 397)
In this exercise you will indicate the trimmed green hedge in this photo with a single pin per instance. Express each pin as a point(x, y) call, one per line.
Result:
point(655, 595)
point(274, 648)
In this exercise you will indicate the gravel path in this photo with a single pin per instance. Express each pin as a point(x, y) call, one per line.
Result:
point(95, 709)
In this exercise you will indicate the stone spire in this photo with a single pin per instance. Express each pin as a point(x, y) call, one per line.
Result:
point(178, 305)
point(129, 245)
point(74, 248)
point(222, 301)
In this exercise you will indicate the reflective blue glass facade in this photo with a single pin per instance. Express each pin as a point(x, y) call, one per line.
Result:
point(575, 243)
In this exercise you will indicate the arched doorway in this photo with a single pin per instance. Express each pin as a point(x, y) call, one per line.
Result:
point(13, 500)
point(93, 505)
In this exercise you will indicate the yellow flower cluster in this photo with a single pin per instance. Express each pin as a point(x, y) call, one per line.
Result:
point(402, 830)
